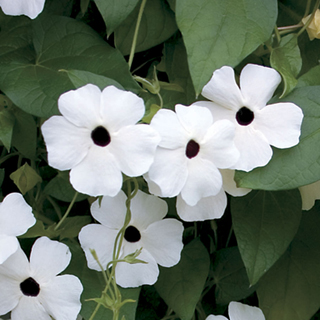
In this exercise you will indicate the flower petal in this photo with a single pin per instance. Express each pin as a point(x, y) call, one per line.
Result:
point(223, 89)
point(98, 173)
point(195, 119)
point(67, 144)
point(163, 240)
point(207, 208)
point(258, 84)
point(16, 215)
point(101, 239)
point(218, 145)
point(29, 308)
point(111, 212)
point(204, 180)
point(240, 311)
point(146, 209)
point(8, 246)
point(61, 297)
point(213, 317)
point(135, 275)
point(309, 194)
point(229, 185)
point(280, 123)
point(172, 133)
point(30, 8)
point(48, 258)
point(254, 148)
point(134, 148)
point(10, 294)
point(82, 106)
point(120, 108)
point(169, 171)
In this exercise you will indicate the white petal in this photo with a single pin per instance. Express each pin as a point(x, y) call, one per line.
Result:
point(16, 215)
point(204, 180)
point(218, 145)
point(280, 123)
point(138, 274)
point(229, 185)
point(10, 293)
point(258, 84)
point(66, 143)
point(101, 239)
point(207, 208)
point(8, 246)
point(163, 240)
point(169, 171)
point(309, 194)
point(82, 106)
point(213, 317)
point(195, 119)
point(98, 173)
point(29, 308)
point(152, 187)
point(172, 133)
point(239, 311)
point(48, 258)
point(120, 108)
point(146, 209)
point(30, 8)
point(134, 148)
point(223, 89)
point(61, 297)
point(112, 211)
point(254, 148)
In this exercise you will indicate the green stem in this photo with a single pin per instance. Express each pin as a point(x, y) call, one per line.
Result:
point(310, 19)
point(136, 31)
point(67, 212)
point(307, 8)
point(276, 32)
point(55, 207)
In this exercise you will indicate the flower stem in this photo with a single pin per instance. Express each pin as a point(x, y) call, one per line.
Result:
point(67, 212)
point(136, 31)
point(316, 6)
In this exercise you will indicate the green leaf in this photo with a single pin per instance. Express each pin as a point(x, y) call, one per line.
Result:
point(311, 78)
point(25, 178)
point(31, 78)
point(264, 223)
point(7, 121)
point(290, 290)
point(287, 60)
point(218, 33)
point(60, 188)
point(114, 12)
point(181, 286)
point(80, 78)
point(230, 277)
point(157, 25)
point(72, 226)
point(93, 284)
point(293, 167)
point(24, 136)
point(39, 230)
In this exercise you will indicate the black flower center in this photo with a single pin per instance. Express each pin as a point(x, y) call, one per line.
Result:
point(100, 136)
point(132, 234)
point(244, 116)
point(30, 287)
point(192, 149)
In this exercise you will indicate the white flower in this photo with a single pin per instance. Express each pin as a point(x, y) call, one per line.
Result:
point(16, 218)
point(30, 8)
point(160, 240)
point(32, 290)
point(191, 150)
point(97, 138)
point(240, 311)
point(257, 125)
point(309, 194)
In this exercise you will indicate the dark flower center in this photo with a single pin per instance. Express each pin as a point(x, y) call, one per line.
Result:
point(30, 287)
point(132, 234)
point(100, 136)
point(192, 149)
point(244, 116)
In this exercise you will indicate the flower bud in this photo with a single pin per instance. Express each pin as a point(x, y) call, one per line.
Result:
point(313, 28)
